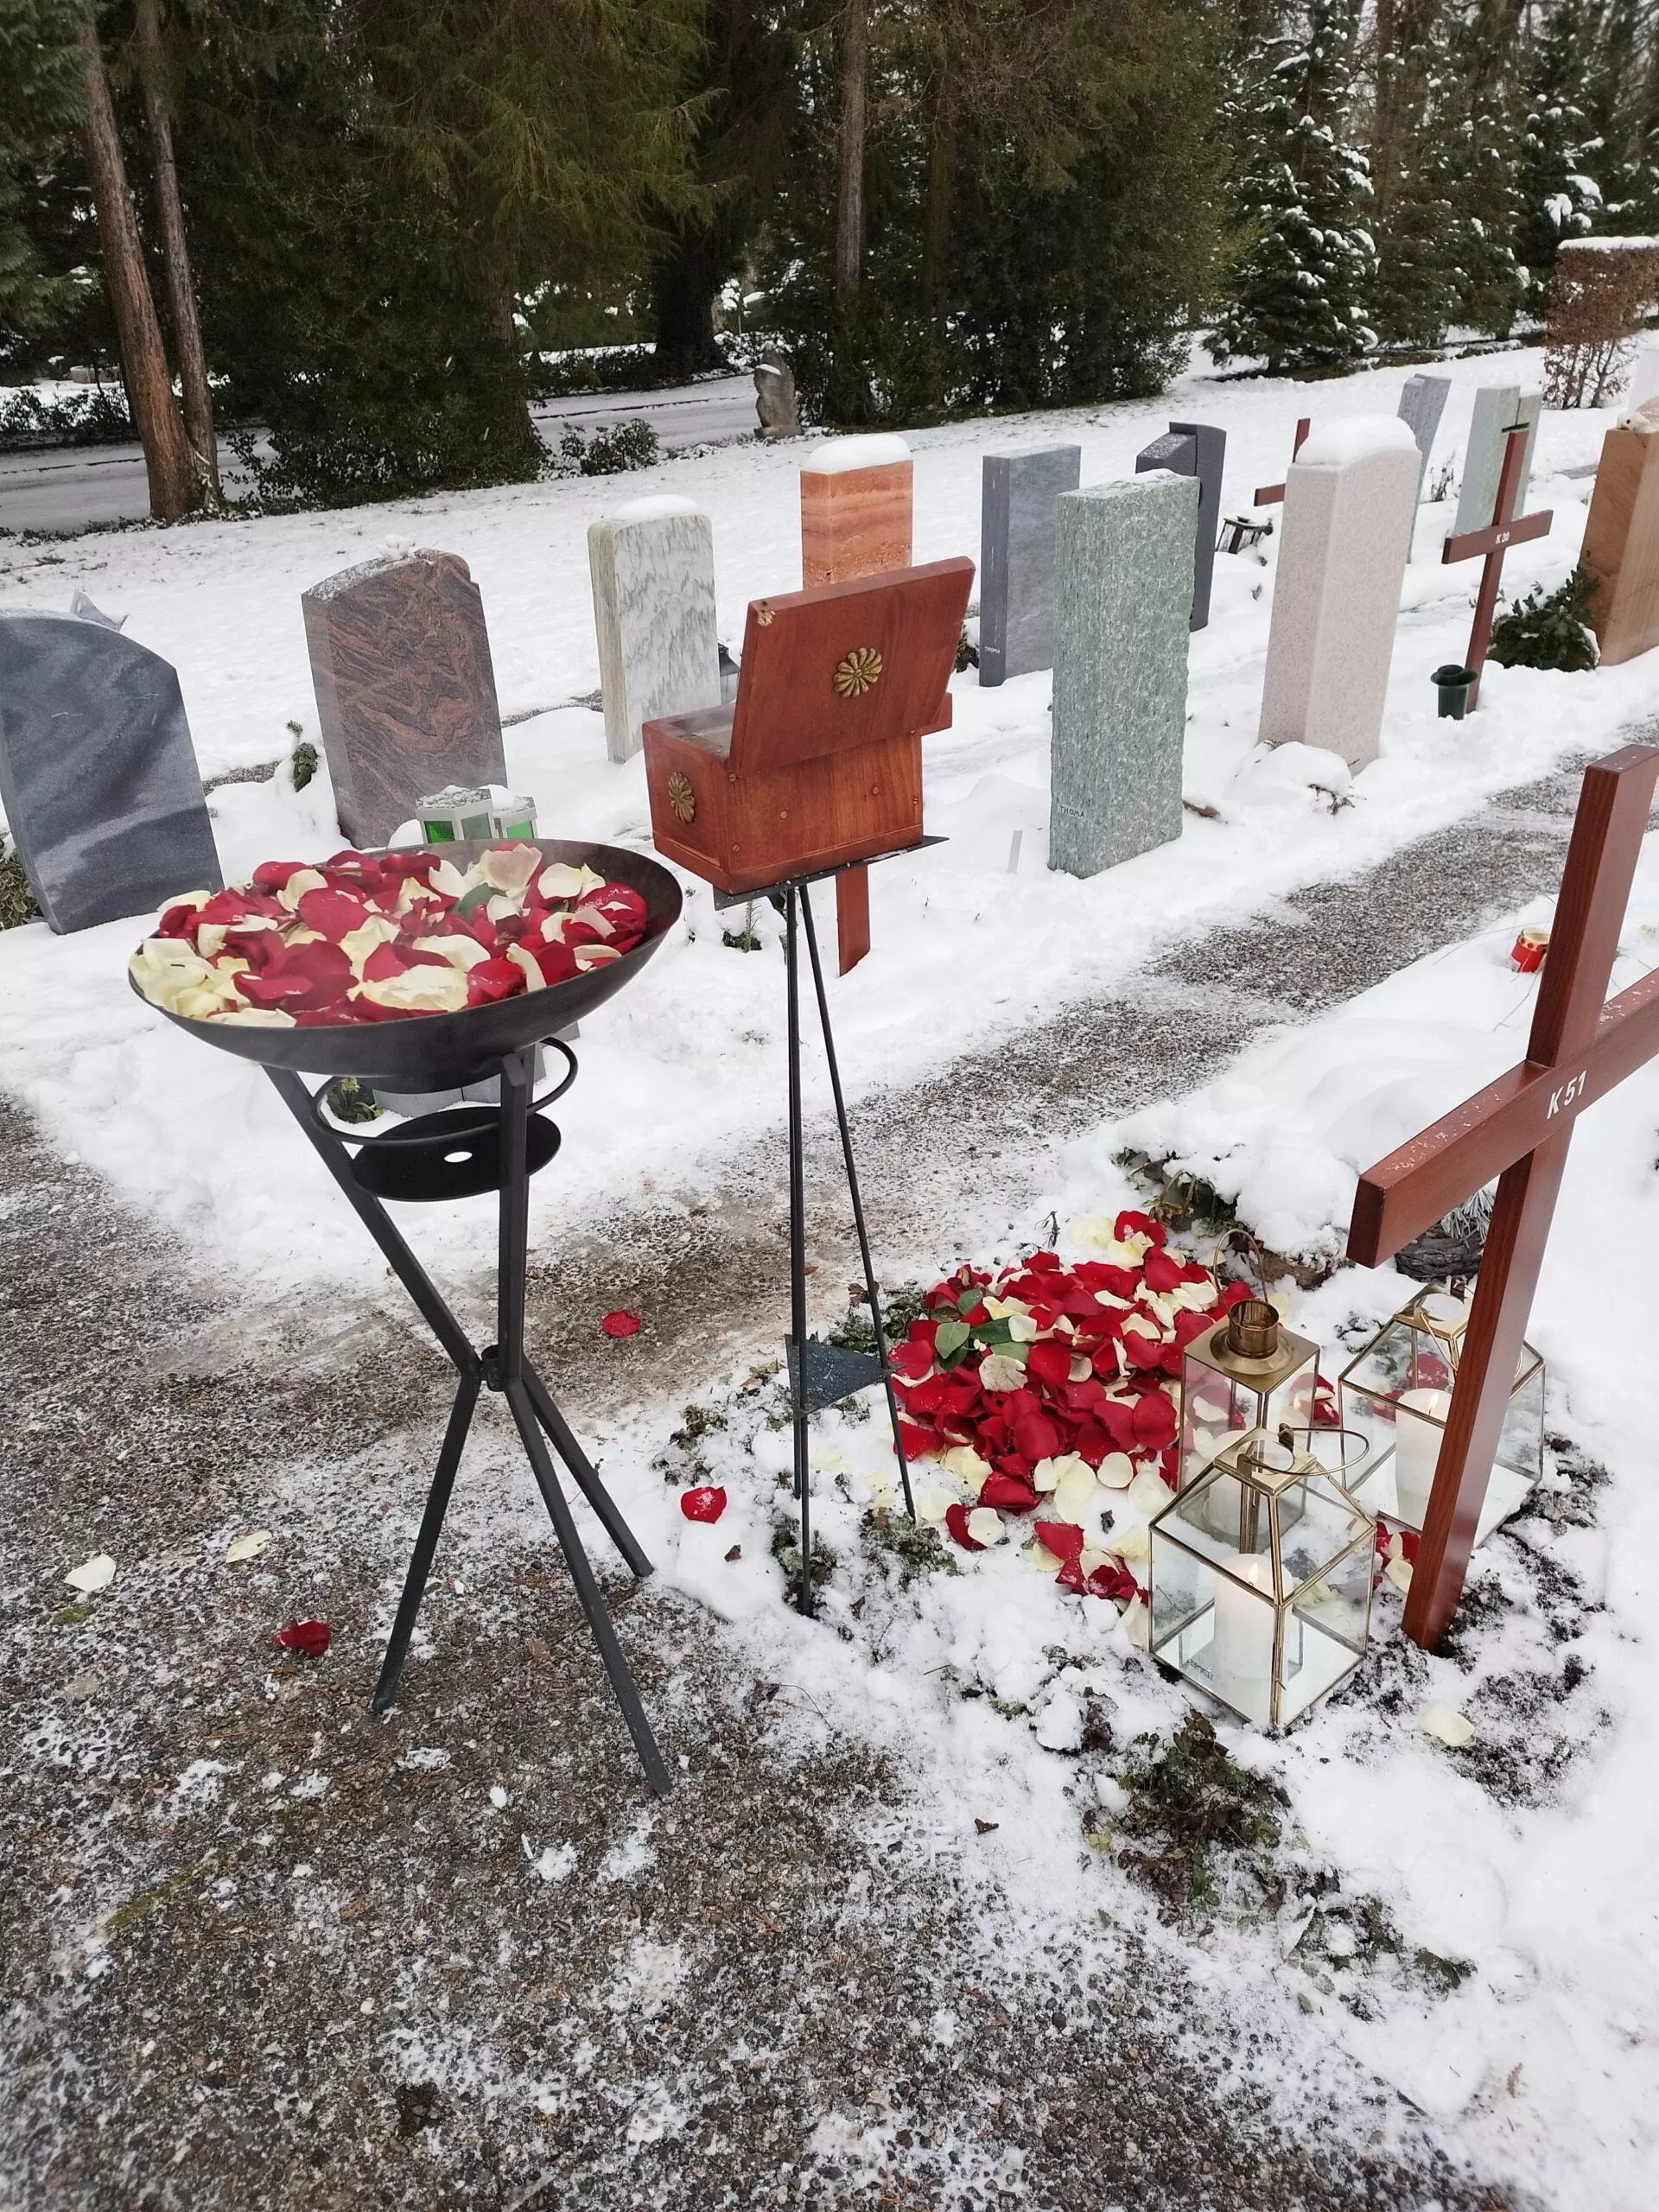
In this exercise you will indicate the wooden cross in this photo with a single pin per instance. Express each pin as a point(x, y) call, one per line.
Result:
point(1519, 1129)
point(1505, 529)
point(1270, 495)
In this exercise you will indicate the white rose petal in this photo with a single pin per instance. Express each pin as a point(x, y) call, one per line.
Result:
point(966, 1464)
point(357, 944)
point(594, 956)
point(1048, 1474)
point(1036, 1554)
point(249, 1546)
point(1116, 1470)
point(1075, 1494)
point(1137, 1624)
point(933, 1503)
point(562, 881)
point(447, 879)
point(985, 1525)
point(301, 881)
point(534, 979)
point(1147, 1494)
point(1447, 1725)
point(998, 1372)
point(1132, 1542)
point(462, 952)
point(257, 1017)
point(419, 990)
point(93, 1575)
point(1022, 1330)
point(509, 867)
point(596, 920)
point(1398, 1576)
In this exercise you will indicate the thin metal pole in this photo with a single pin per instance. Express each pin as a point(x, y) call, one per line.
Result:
point(426, 1544)
point(586, 1474)
point(515, 1218)
point(797, 1248)
point(588, 1590)
point(375, 1218)
point(858, 1202)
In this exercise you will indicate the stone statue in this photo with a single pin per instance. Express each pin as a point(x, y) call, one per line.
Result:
point(775, 402)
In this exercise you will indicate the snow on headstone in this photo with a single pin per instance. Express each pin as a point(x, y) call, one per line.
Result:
point(856, 509)
point(1195, 449)
point(1499, 409)
point(1018, 493)
point(1123, 600)
point(1621, 536)
point(652, 563)
point(1350, 501)
point(1422, 402)
point(99, 778)
point(400, 659)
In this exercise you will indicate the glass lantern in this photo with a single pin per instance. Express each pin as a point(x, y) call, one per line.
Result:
point(1397, 1393)
point(1262, 1580)
point(460, 812)
point(1247, 1372)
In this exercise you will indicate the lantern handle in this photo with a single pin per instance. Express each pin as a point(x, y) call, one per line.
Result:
point(1254, 1244)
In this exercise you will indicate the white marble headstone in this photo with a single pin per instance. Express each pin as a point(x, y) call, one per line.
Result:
point(1351, 499)
point(653, 572)
point(1499, 409)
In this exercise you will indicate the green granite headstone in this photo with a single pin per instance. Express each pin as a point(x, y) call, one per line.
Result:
point(1122, 602)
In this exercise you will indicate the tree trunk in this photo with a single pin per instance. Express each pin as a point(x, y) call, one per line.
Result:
point(172, 487)
point(685, 283)
point(175, 260)
point(850, 208)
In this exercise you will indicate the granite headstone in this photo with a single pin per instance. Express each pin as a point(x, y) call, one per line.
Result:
point(652, 564)
point(1124, 597)
point(1018, 493)
point(1621, 536)
point(1350, 501)
point(1499, 409)
point(1195, 449)
point(98, 775)
point(856, 509)
point(400, 659)
point(1422, 402)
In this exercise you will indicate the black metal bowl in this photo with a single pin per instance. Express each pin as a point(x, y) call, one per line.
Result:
point(437, 1051)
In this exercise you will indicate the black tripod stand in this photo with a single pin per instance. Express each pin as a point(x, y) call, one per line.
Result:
point(821, 1374)
point(459, 1154)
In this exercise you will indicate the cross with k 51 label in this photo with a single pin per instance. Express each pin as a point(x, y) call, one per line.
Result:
point(1518, 1128)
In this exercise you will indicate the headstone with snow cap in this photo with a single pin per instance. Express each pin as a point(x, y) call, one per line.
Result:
point(1350, 501)
point(1123, 600)
point(775, 402)
point(400, 660)
point(1621, 536)
point(99, 778)
point(652, 563)
point(856, 509)
point(1643, 383)
point(1018, 496)
point(1499, 409)
point(1422, 402)
point(1195, 449)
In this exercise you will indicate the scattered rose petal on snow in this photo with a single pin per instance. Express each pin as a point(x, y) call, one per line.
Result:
point(93, 1575)
point(620, 1323)
point(1446, 1725)
point(248, 1547)
point(706, 1502)
point(310, 1637)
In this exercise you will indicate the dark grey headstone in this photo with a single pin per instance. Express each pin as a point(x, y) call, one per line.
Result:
point(400, 658)
point(98, 775)
point(1195, 449)
point(1422, 402)
point(1016, 558)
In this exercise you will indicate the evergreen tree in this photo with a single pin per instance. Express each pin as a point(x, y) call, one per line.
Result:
point(1301, 288)
point(1560, 195)
point(1484, 49)
point(40, 104)
point(1414, 161)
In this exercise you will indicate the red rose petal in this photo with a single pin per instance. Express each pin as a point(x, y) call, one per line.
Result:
point(1155, 1421)
point(1002, 1490)
point(1130, 1223)
point(706, 1502)
point(620, 1323)
point(310, 1637)
point(956, 1520)
point(1063, 1538)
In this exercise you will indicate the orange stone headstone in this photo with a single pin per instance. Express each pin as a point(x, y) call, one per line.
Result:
point(1621, 539)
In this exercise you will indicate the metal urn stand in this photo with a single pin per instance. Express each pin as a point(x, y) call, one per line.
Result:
point(822, 1375)
point(463, 1152)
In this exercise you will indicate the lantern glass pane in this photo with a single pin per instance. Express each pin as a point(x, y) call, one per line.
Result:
point(1217, 1406)
point(1216, 1624)
point(1326, 1627)
point(1319, 1524)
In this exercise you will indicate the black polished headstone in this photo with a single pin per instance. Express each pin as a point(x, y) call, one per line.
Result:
point(1016, 558)
point(1195, 449)
point(98, 776)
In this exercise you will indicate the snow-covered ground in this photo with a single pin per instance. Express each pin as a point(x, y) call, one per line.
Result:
point(1534, 1866)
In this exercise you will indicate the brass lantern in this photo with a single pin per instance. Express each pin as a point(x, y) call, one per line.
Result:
point(1397, 1393)
point(1247, 1372)
point(1261, 1571)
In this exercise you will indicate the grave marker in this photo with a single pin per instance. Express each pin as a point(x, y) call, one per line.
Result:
point(1499, 409)
point(652, 564)
point(1506, 529)
point(1270, 495)
point(1422, 402)
point(1350, 504)
point(1123, 604)
point(98, 775)
point(1195, 449)
point(400, 659)
point(1018, 493)
point(856, 508)
point(1621, 537)
point(1519, 1129)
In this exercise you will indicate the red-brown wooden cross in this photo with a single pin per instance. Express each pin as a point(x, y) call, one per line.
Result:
point(1519, 1129)
point(1505, 529)
point(1269, 495)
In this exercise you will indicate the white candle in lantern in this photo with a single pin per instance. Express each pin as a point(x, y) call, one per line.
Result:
point(1417, 1451)
point(1241, 1646)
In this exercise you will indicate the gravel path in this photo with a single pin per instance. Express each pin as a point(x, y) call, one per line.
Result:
point(256, 1948)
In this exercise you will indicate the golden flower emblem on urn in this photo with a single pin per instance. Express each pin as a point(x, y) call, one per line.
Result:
point(682, 799)
point(857, 672)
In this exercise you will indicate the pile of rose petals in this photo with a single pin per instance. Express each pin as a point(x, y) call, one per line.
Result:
point(1050, 1393)
point(379, 936)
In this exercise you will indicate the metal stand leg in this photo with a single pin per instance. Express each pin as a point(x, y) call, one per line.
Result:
point(503, 1367)
point(797, 1249)
point(858, 1202)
